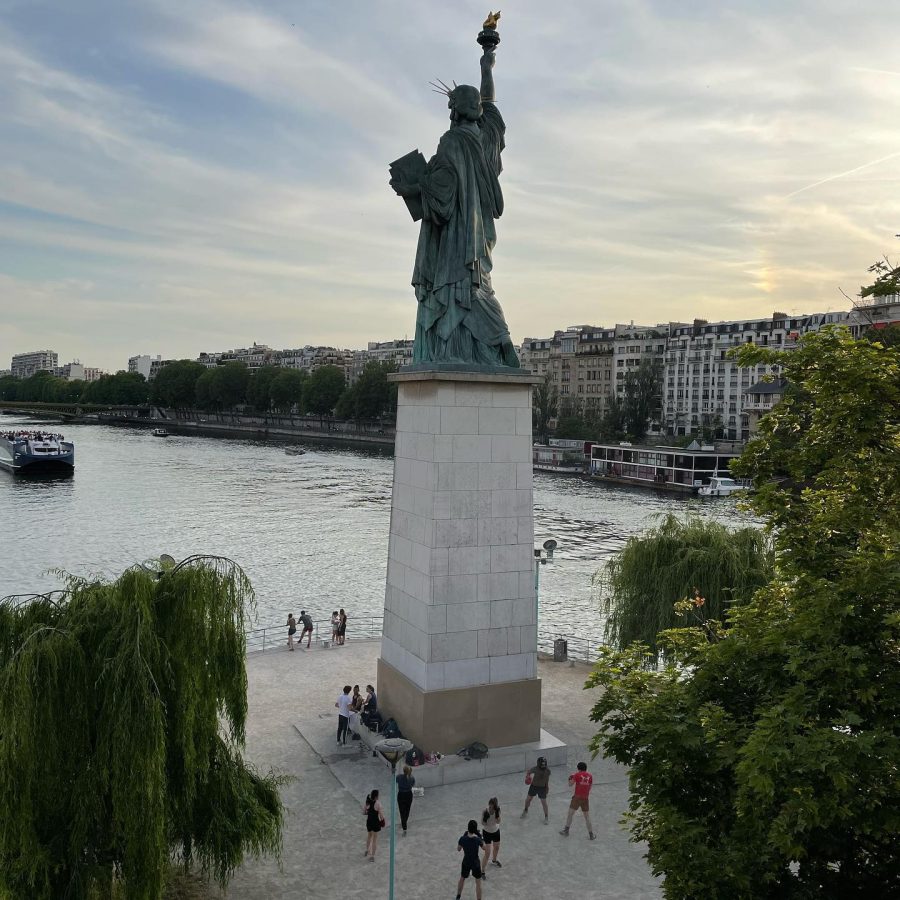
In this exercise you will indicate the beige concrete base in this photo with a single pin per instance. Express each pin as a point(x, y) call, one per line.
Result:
point(496, 714)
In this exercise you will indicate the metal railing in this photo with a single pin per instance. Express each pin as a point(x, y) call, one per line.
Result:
point(266, 637)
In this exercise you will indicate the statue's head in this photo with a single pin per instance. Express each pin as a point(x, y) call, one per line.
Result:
point(465, 103)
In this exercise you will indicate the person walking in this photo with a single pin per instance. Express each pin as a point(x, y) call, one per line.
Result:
point(490, 833)
point(292, 630)
point(538, 780)
point(374, 823)
point(405, 783)
point(582, 781)
point(343, 707)
point(342, 627)
point(469, 845)
point(307, 621)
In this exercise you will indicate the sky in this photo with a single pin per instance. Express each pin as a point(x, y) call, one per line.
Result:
point(179, 176)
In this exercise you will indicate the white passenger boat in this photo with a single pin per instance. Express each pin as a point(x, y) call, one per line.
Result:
point(160, 432)
point(720, 487)
point(35, 451)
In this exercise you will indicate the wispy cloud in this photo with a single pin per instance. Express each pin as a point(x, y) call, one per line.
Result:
point(204, 174)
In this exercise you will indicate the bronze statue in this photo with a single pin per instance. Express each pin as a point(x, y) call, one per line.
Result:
point(457, 196)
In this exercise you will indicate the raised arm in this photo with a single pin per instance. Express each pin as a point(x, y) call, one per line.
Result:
point(487, 76)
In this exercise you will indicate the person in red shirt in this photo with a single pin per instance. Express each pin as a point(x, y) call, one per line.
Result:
point(582, 781)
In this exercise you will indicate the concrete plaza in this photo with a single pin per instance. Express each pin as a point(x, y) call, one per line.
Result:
point(291, 727)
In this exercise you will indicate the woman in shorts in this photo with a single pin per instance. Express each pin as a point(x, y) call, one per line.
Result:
point(292, 630)
point(374, 823)
point(342, 627)
point(490, 833)
point(335, 623)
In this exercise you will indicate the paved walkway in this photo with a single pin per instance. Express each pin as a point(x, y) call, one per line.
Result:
point(291, 726)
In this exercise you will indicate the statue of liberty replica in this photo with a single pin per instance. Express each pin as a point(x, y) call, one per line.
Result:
point(457, 197)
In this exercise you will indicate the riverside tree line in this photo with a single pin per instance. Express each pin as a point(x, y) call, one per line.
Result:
point(186, 384)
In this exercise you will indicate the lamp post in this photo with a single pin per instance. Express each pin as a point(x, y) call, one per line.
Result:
point(541, 557)
point(393, 749)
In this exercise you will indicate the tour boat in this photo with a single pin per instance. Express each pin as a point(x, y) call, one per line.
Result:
point(160, 432)
point(35, 451)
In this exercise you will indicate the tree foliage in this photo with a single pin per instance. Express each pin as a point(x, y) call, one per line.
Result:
point(545, 404)
point(122, 713)
point(286, 389)
point(764, 756)
point(123, 388)
point(175, 385)
point(641, 398)
point(655, 570)
point(322, 391)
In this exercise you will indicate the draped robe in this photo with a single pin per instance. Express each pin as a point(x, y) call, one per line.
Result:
point(459, 319)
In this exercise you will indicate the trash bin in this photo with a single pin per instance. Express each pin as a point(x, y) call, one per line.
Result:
point(560, 650)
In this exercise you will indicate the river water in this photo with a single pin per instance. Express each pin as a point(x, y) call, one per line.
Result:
point(310, 531)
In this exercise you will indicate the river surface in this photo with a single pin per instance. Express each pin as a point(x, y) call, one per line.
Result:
point(310, 531)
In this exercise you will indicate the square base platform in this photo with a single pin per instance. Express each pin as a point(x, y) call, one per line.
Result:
point(499, 761)
point(499, 715)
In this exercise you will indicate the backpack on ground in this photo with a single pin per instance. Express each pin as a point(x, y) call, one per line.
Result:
point(391, 729)
point(475, 750)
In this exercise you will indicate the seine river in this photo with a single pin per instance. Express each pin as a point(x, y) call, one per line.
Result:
point(310, 531)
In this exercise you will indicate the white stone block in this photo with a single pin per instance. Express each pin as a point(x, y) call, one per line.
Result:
point(469, 616)
point(528, 638)
point(477, 394)
point(525, 476)
point(531, 665)
point(456, 476)
point(509, 668)
point(467, 672)
point(422, 502)
point(443, 448)
point(496, 476)
point(405, 419)
point(471, 448)
point(455, 532)
point(441, 508)
point(493, 532)
point(510, 558)
point(445, 393)
point(501, 613)
point(455, 588)
point(523, 422)
point(473, 769)
point(504, 504)
point(453, 645)
point(469, 560)
point(459, 420)
point(434, 676)
point(514, 640)
point(510, 449)
point(523, 612)
point(403, 661)
point(511, 395)
point(440, 561)
point(526, 530)
point(492, 420)
point(497, 586)
point(437, 619)
point(464, 504)
point(492, 642)
point(526, 585)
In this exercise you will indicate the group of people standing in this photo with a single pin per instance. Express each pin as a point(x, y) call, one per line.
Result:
point(338, 629)
point(354, 709)
point(480, 846)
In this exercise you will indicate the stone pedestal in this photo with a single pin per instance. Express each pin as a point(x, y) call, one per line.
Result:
point(459, 652)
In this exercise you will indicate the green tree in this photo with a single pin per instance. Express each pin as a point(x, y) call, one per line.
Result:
point(374, 395)
point(641, 398)
point(764, 756)
point(287, 389)
point(122, 718)
point(346, 405)
point(613, 424)
point(121, 389)
point(544, 406)
point(9, 388)
point(323, 390)
point(641, 584)
point(175, 384)
point(258, 390)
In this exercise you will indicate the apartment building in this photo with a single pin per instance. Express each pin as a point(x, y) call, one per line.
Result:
point(24, 365)
point(141, 364)
point(398, 352)
point(254, 357)
point(704, 388)
point(310, 358)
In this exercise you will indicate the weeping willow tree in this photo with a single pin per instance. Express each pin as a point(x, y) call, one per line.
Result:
point(680, 558)
point(122, 720)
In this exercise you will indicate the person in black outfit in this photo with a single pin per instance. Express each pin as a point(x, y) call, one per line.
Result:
point(405, 783)
point(374, 823)
point(370, 706)
point(470, 844)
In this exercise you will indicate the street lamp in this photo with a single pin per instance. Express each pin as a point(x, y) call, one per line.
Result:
point(541, 558)
point(393, 750)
